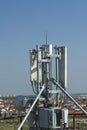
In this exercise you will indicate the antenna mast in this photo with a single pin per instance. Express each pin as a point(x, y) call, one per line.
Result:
point(46, 37)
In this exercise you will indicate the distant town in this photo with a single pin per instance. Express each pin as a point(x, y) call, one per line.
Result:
point(7, 107)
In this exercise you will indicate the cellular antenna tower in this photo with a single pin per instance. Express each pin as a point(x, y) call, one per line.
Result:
point(48, 77)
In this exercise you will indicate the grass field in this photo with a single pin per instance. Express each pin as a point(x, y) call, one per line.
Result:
point(12, 124)
point(81, 123)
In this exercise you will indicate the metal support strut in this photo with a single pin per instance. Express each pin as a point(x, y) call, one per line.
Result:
point(65, 92)
point(31, 108)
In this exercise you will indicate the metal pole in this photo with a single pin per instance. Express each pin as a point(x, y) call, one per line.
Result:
point(21, 121)
point(31, 107)
point(57, 76)
point(65, 92)
point(37, 47)
point(74, 122)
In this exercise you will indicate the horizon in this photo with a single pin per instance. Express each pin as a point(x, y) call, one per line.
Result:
point(80, 94)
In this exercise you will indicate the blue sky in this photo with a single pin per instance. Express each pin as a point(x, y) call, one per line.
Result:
point(24, 23)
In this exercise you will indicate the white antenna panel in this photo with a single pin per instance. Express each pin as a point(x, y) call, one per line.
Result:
point(63, 66)
point(33, 66)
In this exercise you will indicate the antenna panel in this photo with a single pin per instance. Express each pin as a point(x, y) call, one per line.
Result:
point(33, 66)
point(63, 66)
